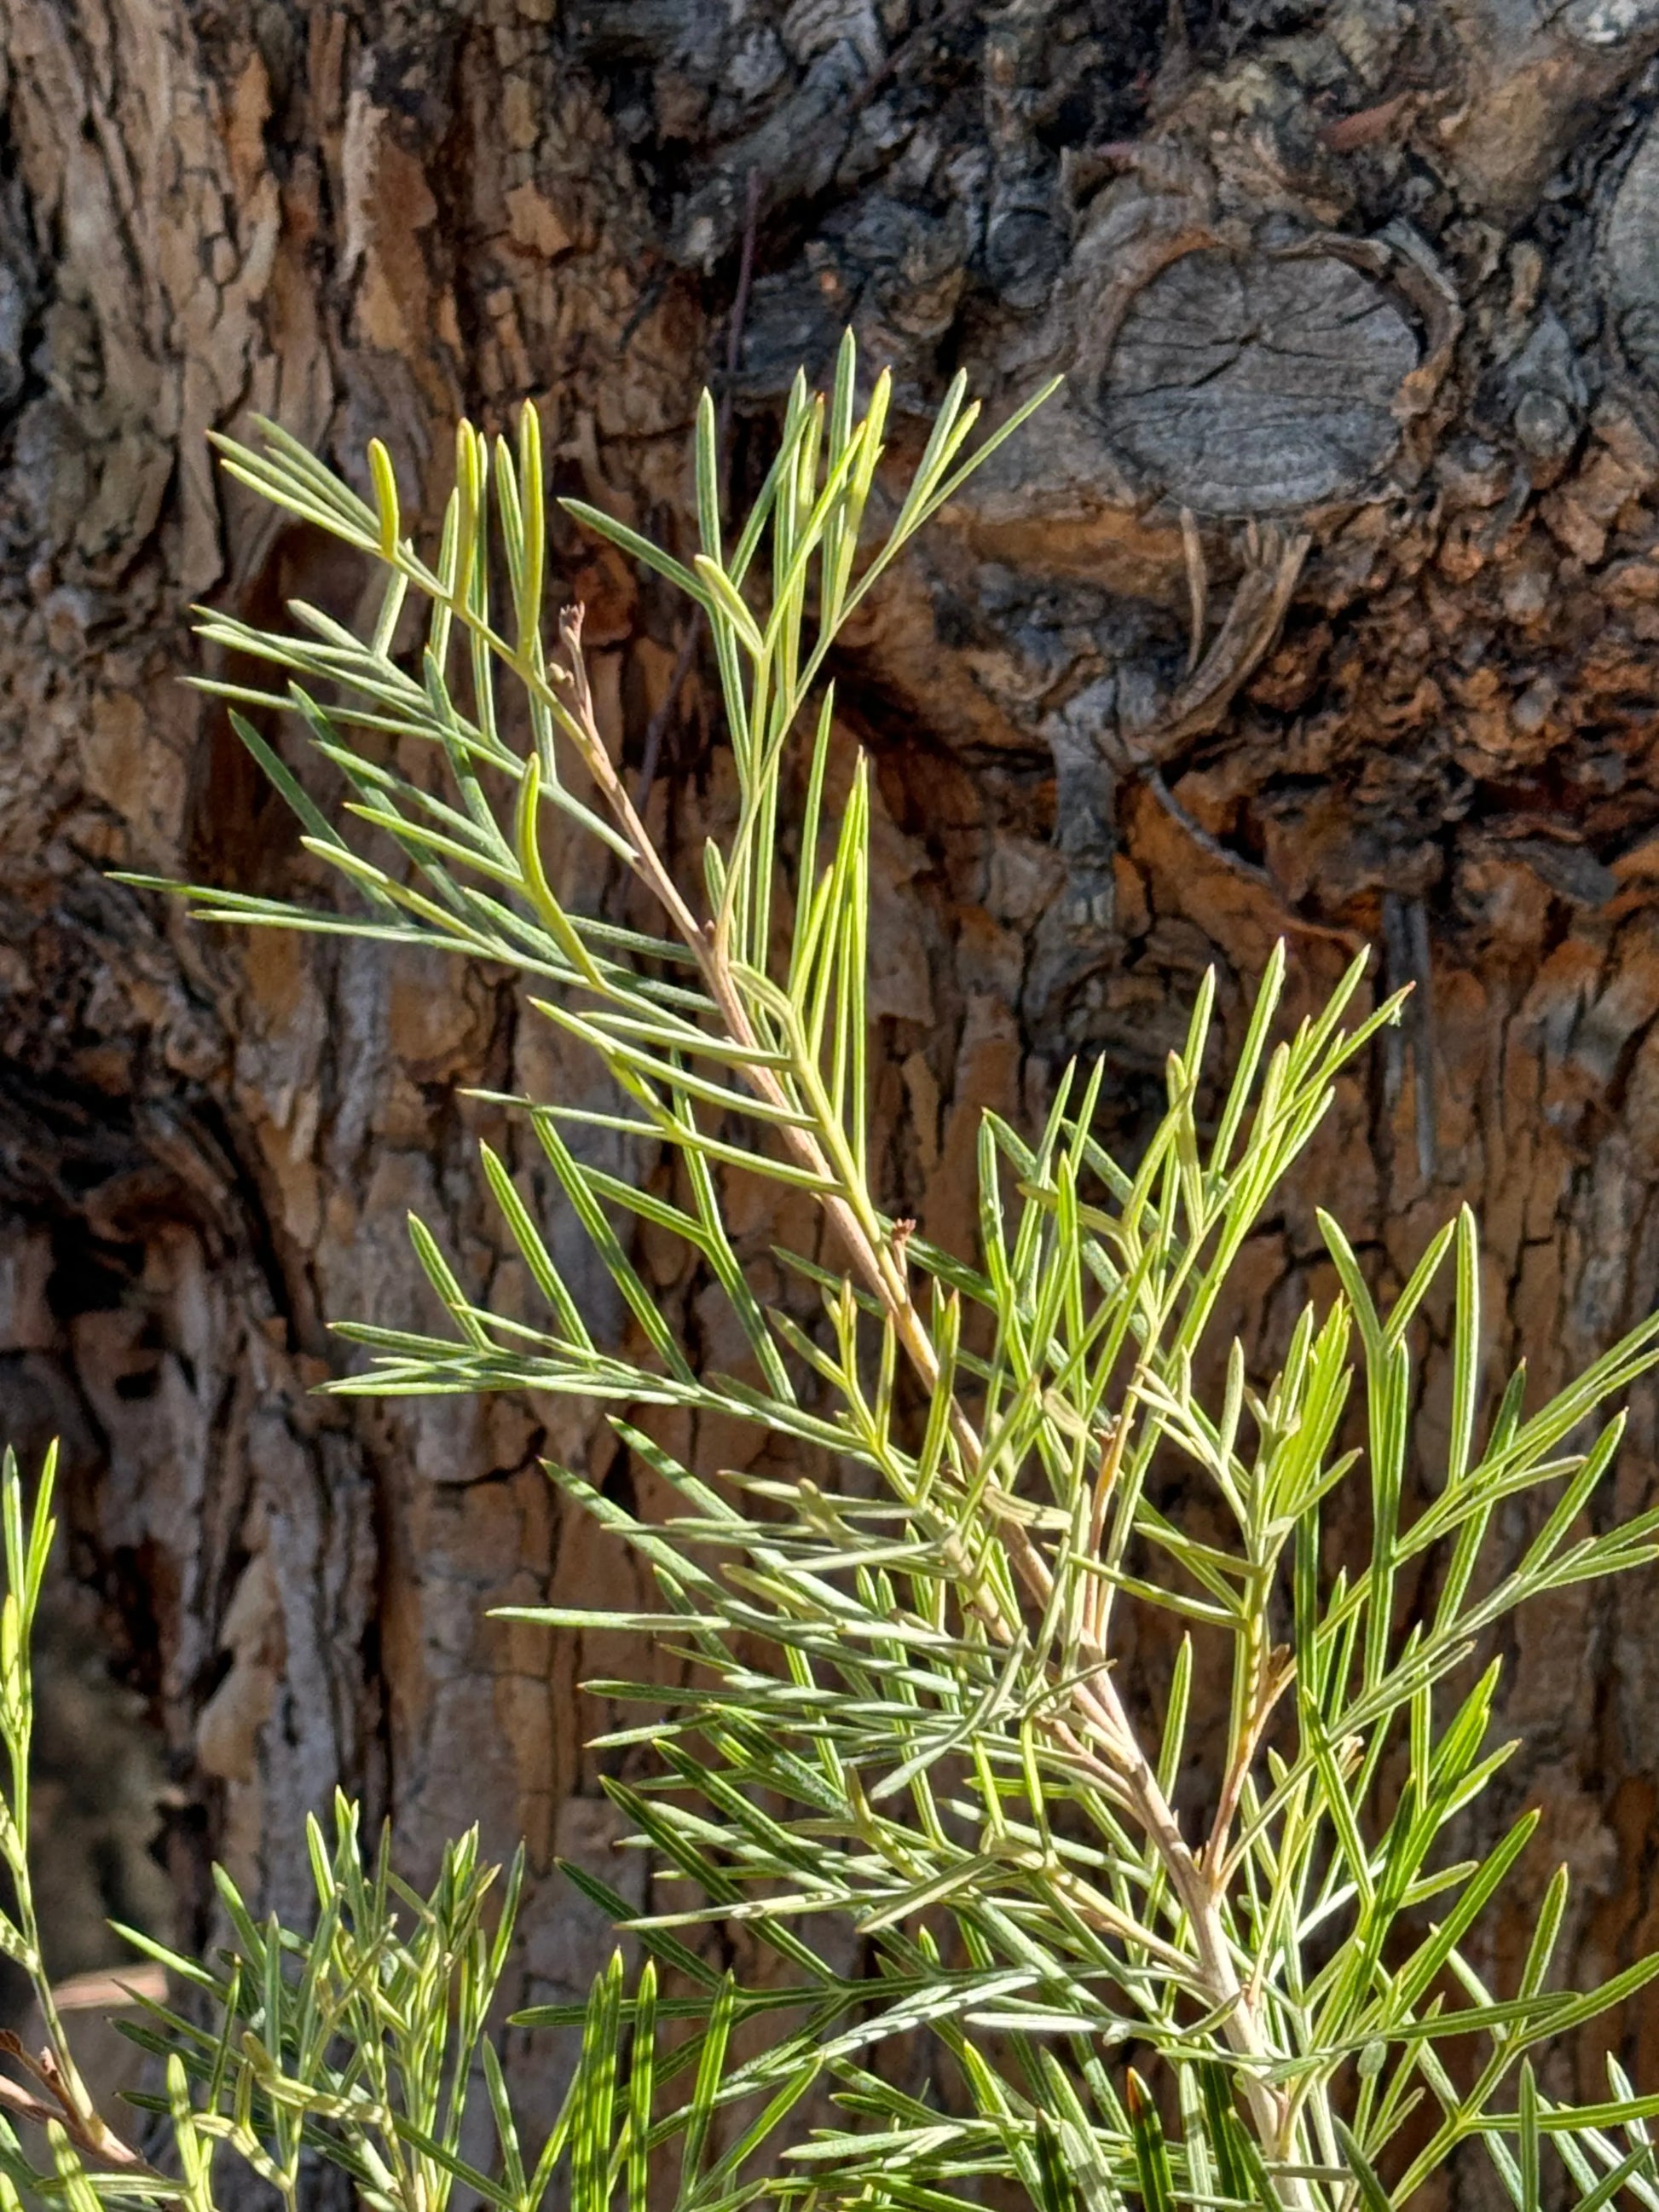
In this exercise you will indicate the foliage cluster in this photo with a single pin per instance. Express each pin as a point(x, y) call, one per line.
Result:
point(898, 1699)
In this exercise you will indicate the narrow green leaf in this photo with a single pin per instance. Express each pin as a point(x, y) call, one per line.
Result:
point(1150, 2151)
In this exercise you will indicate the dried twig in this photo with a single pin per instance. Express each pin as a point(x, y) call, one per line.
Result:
point(1273, 563)
point(1198, 586)
point(85, 2128)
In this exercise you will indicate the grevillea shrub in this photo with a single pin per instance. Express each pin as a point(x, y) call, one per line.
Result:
point(903, 1686)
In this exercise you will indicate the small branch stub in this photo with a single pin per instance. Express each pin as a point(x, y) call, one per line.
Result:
point(1257, 386)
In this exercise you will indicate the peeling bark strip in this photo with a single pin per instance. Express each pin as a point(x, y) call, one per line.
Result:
point(1401, 375)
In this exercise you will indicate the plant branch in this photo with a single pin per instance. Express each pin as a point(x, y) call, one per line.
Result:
point(1098, 1717)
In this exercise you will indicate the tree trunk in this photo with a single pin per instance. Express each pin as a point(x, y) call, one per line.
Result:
point(1321, 602)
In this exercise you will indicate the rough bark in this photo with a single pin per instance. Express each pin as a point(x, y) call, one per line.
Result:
point(1322, 602)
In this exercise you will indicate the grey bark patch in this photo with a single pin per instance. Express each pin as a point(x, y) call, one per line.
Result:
point(1631, 250)
point(1257, 387)
point(1569, 870)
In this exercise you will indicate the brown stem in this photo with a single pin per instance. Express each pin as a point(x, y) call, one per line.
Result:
point(86, 2128)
